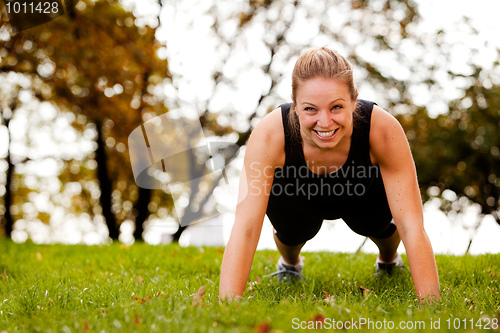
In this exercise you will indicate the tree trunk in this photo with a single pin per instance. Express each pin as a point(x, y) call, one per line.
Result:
point(189, 215)
point(177, 235)
point(141, 207)
point(9, 221)
point(474, 233)
point(105, 184)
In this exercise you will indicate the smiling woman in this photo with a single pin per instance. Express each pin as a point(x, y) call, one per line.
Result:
point(322, 150)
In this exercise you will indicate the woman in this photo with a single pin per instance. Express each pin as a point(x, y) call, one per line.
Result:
point(326, 156)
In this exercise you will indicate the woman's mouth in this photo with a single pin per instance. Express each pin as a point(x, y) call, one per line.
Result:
point(326, 135)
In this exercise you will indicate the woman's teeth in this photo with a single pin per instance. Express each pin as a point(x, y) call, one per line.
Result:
point(325, 134)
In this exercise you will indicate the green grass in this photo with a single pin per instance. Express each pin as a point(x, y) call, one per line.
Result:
point(143, 288)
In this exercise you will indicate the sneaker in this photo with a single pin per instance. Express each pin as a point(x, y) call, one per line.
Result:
point(389, 267)
point(287, 271)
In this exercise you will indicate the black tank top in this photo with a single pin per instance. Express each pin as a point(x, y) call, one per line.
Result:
point(354, 192)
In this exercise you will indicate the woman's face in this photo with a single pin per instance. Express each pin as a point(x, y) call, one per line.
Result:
point(324, 108)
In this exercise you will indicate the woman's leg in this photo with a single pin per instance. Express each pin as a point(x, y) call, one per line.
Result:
point(289, 253)
point(387, 247)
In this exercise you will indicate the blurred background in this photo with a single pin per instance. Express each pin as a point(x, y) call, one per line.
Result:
point(74, 87)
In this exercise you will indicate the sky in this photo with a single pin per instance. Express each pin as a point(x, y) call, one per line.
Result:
point(442, 13)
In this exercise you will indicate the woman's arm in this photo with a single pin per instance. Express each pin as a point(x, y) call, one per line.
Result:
point(265, 151)
point(389, 148)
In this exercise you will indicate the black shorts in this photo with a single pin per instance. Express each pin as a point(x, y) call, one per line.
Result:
point(293, 226)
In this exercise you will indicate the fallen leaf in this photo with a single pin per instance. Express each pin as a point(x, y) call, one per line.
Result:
point(86, 325)
point(140, 279)
point(318, 318)
point(263, 327)
point(329, 299)
point(471, 304)
point(38, 256)
point(5, 274)
point(198, 297)
point(142, 300)
point(219, 250)
point(365, 292)
point(137, 319)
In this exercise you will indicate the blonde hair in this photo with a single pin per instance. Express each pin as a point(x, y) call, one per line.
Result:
point(320, 62)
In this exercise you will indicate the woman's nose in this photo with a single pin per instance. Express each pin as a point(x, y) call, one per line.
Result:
point(324, 119)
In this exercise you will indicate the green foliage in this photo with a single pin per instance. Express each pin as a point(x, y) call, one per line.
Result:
point(146, 288)
point(459, 151)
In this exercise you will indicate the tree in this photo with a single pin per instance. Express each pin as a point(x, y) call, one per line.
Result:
point(104, 67)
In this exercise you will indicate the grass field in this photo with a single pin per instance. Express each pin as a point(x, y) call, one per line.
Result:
point(143, 288)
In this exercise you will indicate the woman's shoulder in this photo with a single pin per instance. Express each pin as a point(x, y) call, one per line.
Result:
point(269, 136)
point(382, 122)
point(384, 130)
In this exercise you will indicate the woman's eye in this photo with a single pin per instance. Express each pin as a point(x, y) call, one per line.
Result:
point(309, 109)
point(336, 107)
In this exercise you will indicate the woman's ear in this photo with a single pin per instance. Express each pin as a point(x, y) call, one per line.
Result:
point(355, 103)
